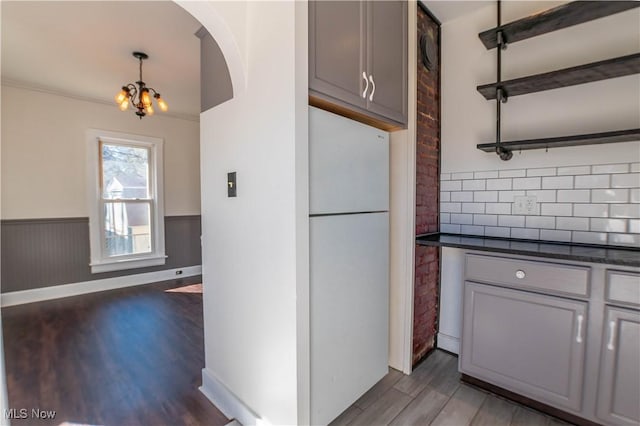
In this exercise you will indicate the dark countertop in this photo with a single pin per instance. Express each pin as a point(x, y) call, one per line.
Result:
point(614, 255)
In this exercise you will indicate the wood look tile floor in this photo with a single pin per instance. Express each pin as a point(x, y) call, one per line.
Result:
point(123, 357)
point(434, 395)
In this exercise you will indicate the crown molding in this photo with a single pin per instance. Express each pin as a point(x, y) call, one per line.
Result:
point(18, 84)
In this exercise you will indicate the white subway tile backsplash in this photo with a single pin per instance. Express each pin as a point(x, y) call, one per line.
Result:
point(593, 181)
point(555, 235)
point(526, 183)
point(542, 172)
point(451, 185)
point(474, 185)
point(451, 229)
point(511, 221)
point(485, 196)
point(473, 207)
point(498, 208)
point(462, 219)
point(496, 231)
point(465, 175)
point(462, 196)
point(557, 182)
point(556, 209)
point(617, 195)
point(544, 195)
point(595, 204)
point(574, 195)
point(512, 173)
point(525, 234)
point(610, 168)
point(627, 180)
point(547, 222)
point(572, 223)
point(632, 240)
point(507, 196)
point(472, 230)
point(485, 219)
point(498, 184)
point(591, 210)
point(485, 175)
point(589, 237)
point(608, 225)
point(574, 170)
point(450, 207)
point(625, 210)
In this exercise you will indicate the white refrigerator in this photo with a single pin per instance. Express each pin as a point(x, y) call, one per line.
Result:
point(349, 261)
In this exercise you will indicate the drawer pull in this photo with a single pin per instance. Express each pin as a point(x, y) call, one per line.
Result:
point(520, 274)
point(364, 93)
point(579, 334)
point(612, 335)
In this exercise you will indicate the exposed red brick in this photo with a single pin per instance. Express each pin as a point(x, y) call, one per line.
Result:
point(425, 303)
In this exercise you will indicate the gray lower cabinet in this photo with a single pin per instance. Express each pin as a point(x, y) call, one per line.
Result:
point(358, 56)
point(528, 343)
point(619, 390)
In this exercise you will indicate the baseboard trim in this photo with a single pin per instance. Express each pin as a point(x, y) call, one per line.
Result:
point(226, 401)
point(75, 289)
point(449, 343)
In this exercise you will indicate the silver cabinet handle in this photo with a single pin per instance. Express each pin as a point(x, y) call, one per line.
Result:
point(364, 93)
point(520, 274)
point(373, 88)
point(612, 335)
point(579, 335)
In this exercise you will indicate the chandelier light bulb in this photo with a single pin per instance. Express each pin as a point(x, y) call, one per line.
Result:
point(124, 105)
point(122, 95)
point(149, 110)
point(145, 98)
point(161, 103)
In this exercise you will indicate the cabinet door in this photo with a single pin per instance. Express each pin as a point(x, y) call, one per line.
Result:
point(336, 50)
point(387, 58)
point(527, 343)
point(619, 390)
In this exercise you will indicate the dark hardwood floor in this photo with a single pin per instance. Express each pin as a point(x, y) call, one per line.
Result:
point(124, 357)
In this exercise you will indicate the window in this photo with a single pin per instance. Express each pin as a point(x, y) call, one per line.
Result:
point(126, 215)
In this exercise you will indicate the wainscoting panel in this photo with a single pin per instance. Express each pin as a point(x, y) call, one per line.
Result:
point(40, 253)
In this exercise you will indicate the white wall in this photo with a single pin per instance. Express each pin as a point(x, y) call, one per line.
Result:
point(255, 246)
point(469, 119)
point(44, 154)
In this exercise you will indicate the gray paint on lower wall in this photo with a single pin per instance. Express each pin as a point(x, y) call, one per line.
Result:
point(40, 253)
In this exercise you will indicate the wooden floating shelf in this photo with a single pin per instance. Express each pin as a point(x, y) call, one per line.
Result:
point(610, 68)
point(567, 15)
point(630, 135)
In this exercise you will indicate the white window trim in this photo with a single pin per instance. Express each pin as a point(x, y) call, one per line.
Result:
point(99, 262)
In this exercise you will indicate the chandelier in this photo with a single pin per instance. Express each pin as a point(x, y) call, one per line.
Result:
point(139, 94)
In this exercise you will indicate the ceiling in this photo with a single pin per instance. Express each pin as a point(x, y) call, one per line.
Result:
point(448, 10)
point(83, 49)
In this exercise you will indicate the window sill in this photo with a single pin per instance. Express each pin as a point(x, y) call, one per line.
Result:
point(118, 265)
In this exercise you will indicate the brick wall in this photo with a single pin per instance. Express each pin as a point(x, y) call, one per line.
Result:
point(425, 302)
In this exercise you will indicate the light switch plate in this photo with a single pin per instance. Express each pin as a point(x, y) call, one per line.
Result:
point(231, 184)
point(525, 205)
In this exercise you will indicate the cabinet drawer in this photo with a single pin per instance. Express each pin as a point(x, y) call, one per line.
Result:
point(623, 287)
point(548, 277)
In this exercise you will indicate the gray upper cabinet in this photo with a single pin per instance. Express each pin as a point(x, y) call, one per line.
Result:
point(619, 390)
point(358, 57)
point(528, 343)
point(387, 59)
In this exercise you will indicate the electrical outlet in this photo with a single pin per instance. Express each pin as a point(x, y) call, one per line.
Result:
point(525, 205)
point(179, 272)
